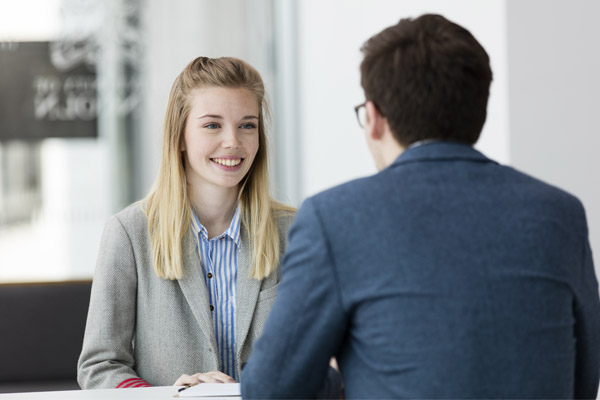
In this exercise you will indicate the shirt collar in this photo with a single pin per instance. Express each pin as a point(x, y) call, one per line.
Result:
point(421, 142)
point(233, 232)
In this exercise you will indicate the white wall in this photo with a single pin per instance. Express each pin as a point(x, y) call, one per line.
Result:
point(554, 105)
point(330, 36)
point(31, 20)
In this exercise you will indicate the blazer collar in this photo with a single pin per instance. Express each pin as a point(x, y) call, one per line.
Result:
point(247, 290)
point(440, 151)
point(194, 289)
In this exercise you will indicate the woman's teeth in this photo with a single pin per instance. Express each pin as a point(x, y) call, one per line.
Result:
point(228, 161)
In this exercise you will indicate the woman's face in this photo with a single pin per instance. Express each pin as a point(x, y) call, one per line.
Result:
point(220, 138)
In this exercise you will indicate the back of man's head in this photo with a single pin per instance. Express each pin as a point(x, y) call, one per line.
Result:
point(430, 78)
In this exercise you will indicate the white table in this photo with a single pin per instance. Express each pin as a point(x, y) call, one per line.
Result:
point(152, 393)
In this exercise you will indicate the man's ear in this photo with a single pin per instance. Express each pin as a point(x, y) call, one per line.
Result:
point(375, 121)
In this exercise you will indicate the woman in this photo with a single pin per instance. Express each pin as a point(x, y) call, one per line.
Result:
point(186, 278)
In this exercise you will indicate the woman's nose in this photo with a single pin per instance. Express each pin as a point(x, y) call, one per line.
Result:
point(231, 139)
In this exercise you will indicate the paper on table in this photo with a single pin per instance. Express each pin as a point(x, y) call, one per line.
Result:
point(212, 390)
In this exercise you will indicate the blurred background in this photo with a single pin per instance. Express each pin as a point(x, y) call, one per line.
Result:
point(84, 86)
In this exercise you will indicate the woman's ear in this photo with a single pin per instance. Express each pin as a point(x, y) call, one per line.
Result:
point(374, 124)
point(182, 144)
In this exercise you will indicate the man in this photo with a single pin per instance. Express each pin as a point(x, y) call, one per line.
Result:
point(445, 275)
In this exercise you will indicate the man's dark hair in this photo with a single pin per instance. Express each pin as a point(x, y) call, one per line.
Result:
point(430, 78)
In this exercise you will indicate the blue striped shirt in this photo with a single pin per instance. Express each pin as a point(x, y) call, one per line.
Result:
point(219, 257)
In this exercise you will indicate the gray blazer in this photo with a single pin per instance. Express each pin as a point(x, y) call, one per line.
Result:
point(140, 325)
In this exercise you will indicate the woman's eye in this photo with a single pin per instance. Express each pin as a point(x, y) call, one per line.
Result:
point(248, 126)
point(211, 126)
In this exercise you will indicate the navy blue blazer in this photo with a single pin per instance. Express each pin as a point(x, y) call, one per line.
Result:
point(446, 275)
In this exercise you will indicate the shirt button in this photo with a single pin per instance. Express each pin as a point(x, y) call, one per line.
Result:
point(212, 308)
point(222, 237)
point(209, 275)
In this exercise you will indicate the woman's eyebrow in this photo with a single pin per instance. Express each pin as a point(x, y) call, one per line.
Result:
point(220, 117)
point(211, 116)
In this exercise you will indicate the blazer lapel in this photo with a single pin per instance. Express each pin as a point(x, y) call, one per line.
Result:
point(246, 293)
point(195, 291)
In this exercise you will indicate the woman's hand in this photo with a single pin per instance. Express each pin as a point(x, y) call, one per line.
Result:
point(333, 364)
point(208, 377)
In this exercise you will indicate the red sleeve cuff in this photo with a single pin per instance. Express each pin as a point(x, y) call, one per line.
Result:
point(133, 383)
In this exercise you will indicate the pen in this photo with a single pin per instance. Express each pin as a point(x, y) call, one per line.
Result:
point(183, 388)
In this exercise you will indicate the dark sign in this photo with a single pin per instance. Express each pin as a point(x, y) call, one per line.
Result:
point(37, 100)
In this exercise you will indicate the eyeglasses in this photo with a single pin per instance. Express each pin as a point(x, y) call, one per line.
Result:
point(361, 114)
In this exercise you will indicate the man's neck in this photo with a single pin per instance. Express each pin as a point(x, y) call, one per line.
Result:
point(390, 149)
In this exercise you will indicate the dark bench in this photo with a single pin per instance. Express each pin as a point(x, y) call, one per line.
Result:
point(41, 333)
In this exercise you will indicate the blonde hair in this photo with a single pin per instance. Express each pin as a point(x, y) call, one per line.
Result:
point(168, 207)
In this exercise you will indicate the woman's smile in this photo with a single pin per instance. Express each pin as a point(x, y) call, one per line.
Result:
point(228, 164)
